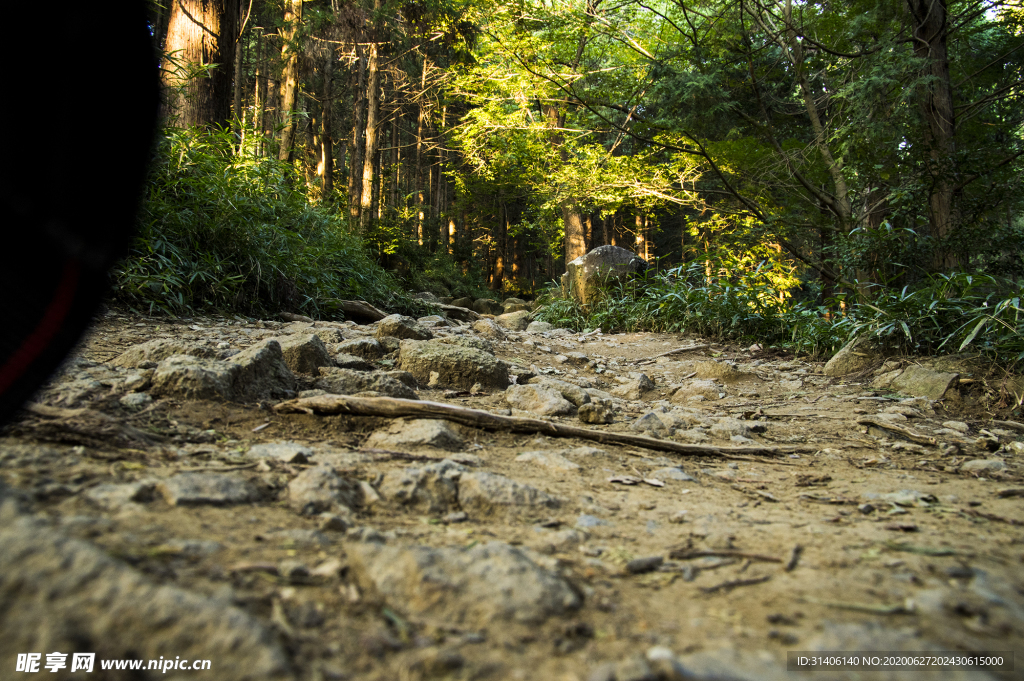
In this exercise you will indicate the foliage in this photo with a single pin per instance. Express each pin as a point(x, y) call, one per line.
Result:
point(223, 231)
point(946, 314)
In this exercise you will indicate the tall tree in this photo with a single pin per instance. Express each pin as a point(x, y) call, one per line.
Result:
point(198, 62)
point(290, 51)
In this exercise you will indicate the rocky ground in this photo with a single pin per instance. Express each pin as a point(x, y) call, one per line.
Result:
point(179, 490)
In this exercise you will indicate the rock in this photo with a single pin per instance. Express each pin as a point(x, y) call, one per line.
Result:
point(958, 426)
point(348, 382)
point(539, 399)
point(200, 489)
point(708, 390)
point(320, 489)
point(432, 488)
point(657, 423)
point(634, 668)
point(297, 537)
point(983, 466)
point(538, 327)
point(712, 370)
point(489, 329)
point(460, 313)
point(634, 387)
point(727, 427)
point(351, 362)
point(135, 401)
point(367, 348)
point(587, 522)
point(488, 306)
point(595, 413)
point(855, 356)
point(263, 373)
point(639, 566)
point(427, 296)
point(417, 433)
point(329, 335)
point(884, 381)
point(305, 354)
point(287, 452)
point(115, 496)
point(551, 460)
point(514, 321)
point(573, 393)
point(476, 586)
point(456, 365)
point(920, 381)
point(62, 594)
point(587, 274)
point(194, 378)
point(401, 327)
point(489, 493)
point(160, 349)
point(510, 305)
point(466, 303)
point(672, 474)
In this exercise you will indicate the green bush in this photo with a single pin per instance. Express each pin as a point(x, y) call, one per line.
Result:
point(945, 314)
point(221, 231)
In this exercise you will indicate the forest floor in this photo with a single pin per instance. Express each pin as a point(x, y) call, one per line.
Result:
point(853, 540)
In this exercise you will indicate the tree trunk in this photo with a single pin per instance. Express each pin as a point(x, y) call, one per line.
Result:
point(290, 76)
point(200, 35)
point(239, 85)
point(355, 167)
point(366, 205)
point(929, 30)
point(575, 243)
point(259, 98)
point(326, 169)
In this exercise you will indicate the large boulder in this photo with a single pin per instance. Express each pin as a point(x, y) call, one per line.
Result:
point(488, 306)
point(305, 353)
point(455, 365)
point(514, 321)
point(587, 274)
point(920, 381)
point(398, 326)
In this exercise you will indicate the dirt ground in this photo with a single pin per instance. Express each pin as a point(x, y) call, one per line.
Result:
point(858, 539)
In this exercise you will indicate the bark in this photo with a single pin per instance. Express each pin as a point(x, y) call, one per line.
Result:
point(260, 97)
point(575, 243)
point(290, 76)
point(366, 199)
point(200, 33)
point(326, 168)
point(418, 176)
point(929, 19)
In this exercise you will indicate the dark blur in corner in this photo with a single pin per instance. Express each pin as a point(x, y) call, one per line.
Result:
point(79, 114)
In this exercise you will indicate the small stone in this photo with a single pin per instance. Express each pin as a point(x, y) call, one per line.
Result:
point(921, 381)
point(416, 433)
point(538, 399)
point(136, 401)
point(332, 522)
point(488, 328)
point(983, 466)
point(641, 565)
point(287, 452)
point(304, 354)
point(367, 348)
point(293, 571)
point(488, 493)
point(345, 361)
point(320, 489)
point(595, 413)
point(538, 327)
point(672, 474)
point(457, 517)
point(114, 496)
point(198, 489)
point(586, 521)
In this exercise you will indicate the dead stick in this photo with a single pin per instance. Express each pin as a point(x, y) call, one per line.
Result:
point(900, 430)
point(683, 554)
point(732, 584)
point(675, 352)
point(395, 407)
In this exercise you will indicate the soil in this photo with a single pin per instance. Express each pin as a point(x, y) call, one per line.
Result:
point(761, 554)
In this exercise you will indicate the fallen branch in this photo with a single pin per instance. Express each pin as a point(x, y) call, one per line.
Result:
point(732, 584)
point(394, 407)
point(1012, 425)
point(361, 309)
point(899, 430)
point(687, 554)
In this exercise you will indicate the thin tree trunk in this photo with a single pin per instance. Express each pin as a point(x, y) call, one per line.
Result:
point(366, 199)
point(355, 168)
point(326, 168)
point(239, 85)
point(418, 178)
point(259, 97)
point(290, 76)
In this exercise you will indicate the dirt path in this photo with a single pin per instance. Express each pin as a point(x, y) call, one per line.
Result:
point(632, 564)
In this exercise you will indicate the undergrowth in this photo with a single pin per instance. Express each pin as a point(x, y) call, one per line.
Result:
point(944, 314)
point(222, 231)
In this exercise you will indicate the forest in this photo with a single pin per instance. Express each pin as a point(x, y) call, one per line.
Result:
point(794, 172)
